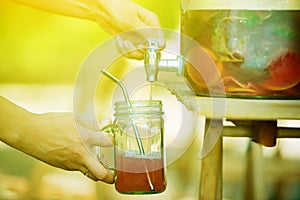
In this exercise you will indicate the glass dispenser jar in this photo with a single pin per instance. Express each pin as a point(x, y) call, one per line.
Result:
point(139, 147)
point(255, 45)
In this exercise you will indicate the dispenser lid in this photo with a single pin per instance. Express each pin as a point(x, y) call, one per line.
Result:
point(238, 4)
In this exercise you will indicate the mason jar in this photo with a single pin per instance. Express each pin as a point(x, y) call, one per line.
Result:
point(139, 147)
point(255, 45)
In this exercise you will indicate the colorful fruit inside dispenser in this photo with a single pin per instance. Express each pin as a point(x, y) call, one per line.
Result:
point(284, 72)
point(202, 70)
point(256, 52)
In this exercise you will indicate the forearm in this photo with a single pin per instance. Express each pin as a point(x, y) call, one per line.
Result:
point(38, 135)
point(14, 121)
point(84, 9)
point(114, 16)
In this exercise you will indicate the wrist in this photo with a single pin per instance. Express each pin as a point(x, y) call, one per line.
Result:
point(15, 130)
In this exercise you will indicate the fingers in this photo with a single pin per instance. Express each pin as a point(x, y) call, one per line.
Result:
point(149, 27)
point(140, 26)
point(95, 171)
point(152, 33)
point(132, 44)
point(94, 125)
point(128, 49)
point(102, 139)
point(91, 134)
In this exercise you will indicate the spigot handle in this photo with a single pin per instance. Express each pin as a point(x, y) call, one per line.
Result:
point(151, 59)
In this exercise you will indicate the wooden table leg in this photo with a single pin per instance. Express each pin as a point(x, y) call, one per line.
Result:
point(255, 177)
point(210, 187)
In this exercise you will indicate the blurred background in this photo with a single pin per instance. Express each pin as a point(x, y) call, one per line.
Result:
point(41, 54)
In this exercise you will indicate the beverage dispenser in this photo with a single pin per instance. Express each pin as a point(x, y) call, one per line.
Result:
point(254, 44)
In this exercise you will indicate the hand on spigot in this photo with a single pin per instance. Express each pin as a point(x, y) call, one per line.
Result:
point(134, 25)
point(133, 44)
point(114, 17)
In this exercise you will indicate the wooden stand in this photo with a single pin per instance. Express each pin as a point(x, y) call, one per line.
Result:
point(253, 118)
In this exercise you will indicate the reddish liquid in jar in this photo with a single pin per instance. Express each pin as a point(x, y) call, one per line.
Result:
point(132, 175)
point(256, 52)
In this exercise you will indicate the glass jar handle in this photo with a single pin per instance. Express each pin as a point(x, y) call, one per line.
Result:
point(100, 155)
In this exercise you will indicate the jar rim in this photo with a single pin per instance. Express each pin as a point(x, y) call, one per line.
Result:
point(139, 108)
point(140, 101)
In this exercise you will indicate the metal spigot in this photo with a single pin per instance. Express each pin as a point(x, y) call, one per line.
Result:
point(153, 62)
